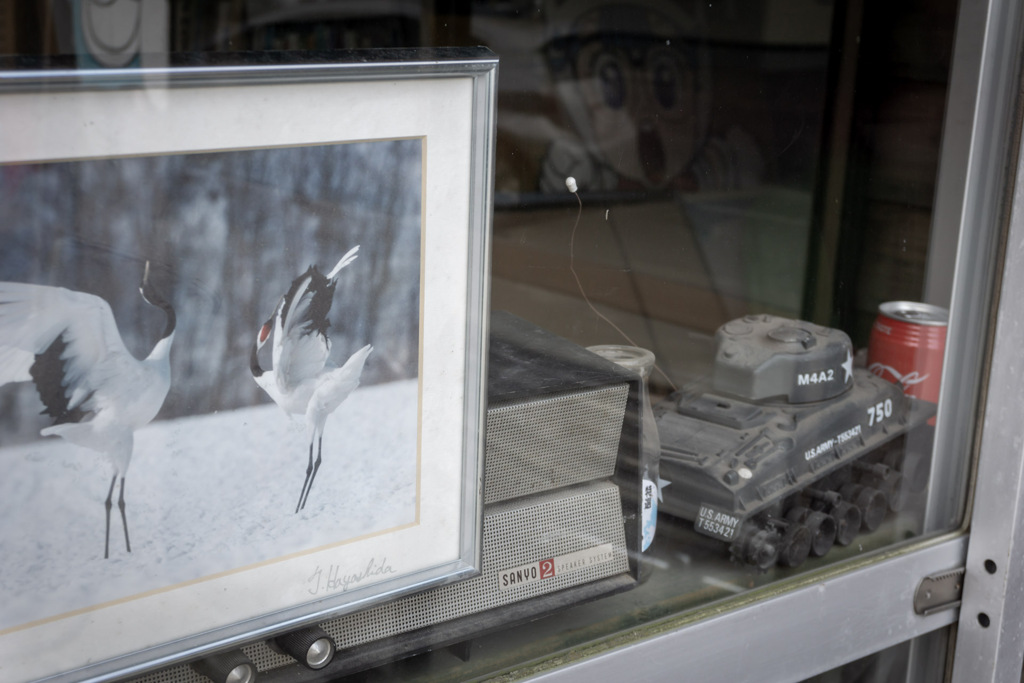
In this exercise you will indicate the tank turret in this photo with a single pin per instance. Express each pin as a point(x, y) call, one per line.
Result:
point(767, 358)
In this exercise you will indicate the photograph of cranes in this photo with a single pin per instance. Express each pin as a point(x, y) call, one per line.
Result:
point(243, 342)
point(188, 343)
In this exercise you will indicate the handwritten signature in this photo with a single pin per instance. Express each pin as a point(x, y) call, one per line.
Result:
point(333, 579)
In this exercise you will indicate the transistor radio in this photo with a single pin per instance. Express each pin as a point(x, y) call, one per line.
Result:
point(561, 523)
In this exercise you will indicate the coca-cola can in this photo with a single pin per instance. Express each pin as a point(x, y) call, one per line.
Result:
point(906, 346)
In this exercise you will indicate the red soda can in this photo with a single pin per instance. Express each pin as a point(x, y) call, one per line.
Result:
point(906, 346)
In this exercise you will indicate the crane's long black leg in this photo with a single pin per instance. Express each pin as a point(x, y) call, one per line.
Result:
point(124, 520)
point(109, 504)
point(316, 467)
point(307, 482)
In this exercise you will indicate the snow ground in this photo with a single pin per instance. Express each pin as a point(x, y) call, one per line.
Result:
point(204, 495)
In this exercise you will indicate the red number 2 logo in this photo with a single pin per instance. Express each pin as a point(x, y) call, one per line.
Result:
point(547, 569)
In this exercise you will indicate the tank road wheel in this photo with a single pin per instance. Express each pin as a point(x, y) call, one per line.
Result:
point(823, 532)
point(795, 545)
point(847, 518)
point(871, 502)
point(914, 466)
point(759, 547)
point(895, 489)
point(821, 526)
point(887, 480)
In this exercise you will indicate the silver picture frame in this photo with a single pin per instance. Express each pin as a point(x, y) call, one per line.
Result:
point(240, 199)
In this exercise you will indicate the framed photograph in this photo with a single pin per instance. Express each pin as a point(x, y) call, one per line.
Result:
point(242, 344)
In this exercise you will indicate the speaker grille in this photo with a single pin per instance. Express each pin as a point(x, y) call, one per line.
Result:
point(516, 534)
point(542, 444)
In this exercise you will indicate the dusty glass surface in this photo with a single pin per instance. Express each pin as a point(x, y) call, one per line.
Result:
point(736, 188)
point(921, 659)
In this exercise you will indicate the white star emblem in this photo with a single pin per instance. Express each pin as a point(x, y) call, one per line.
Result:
point(848, 366)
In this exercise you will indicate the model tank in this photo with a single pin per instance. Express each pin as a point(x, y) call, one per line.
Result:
point(788, 448)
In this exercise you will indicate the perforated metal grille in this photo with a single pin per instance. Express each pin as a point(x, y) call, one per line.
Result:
point(263, 658)
point(516, 533)
point(539, 445)
point(175, 674)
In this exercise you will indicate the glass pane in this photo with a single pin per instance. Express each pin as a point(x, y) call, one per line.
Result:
point(712, 282)
point(921, 659)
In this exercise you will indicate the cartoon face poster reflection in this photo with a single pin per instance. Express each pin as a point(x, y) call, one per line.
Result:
point(208, 361)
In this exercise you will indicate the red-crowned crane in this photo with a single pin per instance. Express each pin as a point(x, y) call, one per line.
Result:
point(303, 380)
point(97, 393)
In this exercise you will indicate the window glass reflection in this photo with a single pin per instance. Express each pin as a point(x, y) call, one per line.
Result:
point(734, 188)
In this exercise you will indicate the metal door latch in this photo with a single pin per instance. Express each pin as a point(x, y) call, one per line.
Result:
point(939, 591)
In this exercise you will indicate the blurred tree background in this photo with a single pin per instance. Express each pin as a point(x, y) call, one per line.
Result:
point(226, 233)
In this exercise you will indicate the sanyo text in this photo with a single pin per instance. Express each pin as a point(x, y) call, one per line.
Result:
point(554, 566)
